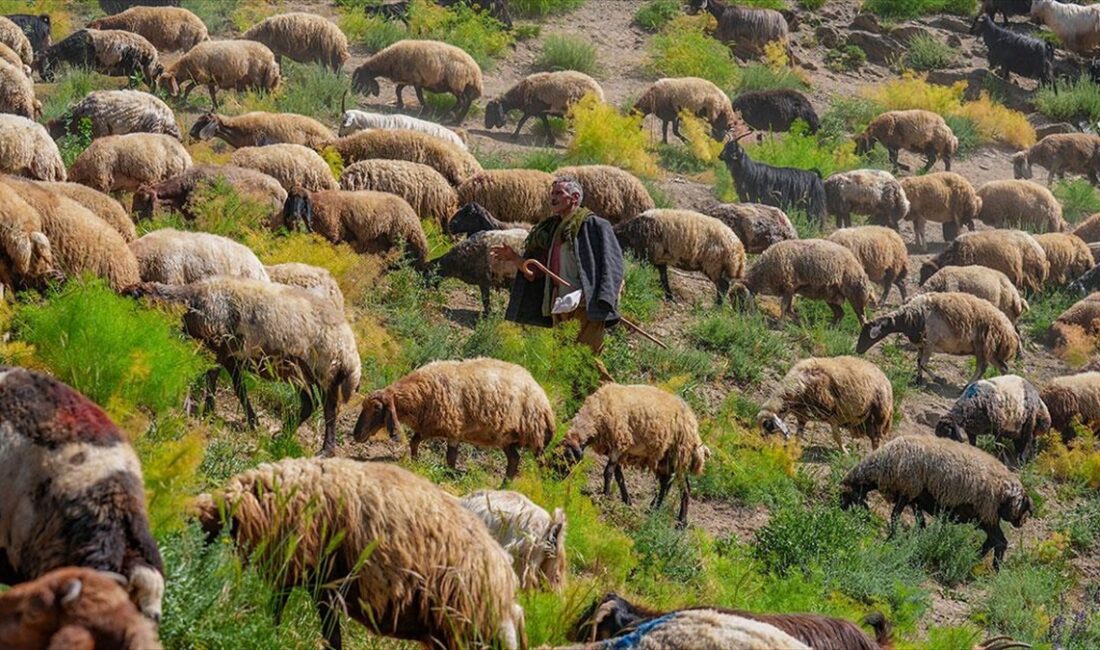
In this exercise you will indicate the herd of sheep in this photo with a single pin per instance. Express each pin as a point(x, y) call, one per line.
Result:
point(392, 550)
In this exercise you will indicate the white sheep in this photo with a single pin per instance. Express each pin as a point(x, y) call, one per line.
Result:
point(533, 537)
point(179, 257)
point(126, 162)
point(872, 192)
point(1078, 27)
point(354, 120)
point(26, 149)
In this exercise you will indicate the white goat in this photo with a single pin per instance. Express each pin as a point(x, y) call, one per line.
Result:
point(1077, 26)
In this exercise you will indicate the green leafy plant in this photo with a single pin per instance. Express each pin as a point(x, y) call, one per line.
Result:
point(1075, 102)
point(564, 52)
point(683, 49)
point(1078, 197)
point(757, 76)
point(909, 9)
point(926, 52)
point(74, 143)
point(371, 32)
point(655, 14)
point(540, 8)
point(845, 59)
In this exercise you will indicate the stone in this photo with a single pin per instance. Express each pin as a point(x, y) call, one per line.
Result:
point(879, 49)
point(828, 37)
point(867, 23)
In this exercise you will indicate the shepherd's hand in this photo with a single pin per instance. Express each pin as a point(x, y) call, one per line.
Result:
point(506, 254)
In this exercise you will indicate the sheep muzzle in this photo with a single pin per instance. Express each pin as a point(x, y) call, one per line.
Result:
point(771, 423)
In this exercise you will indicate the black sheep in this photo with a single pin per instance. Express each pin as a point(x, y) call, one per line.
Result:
point(36, 29)
point(1011, 52)
point(785, 188)
point(1004, 7)
point(79, 49)
point(776, 110)
point(472, 218)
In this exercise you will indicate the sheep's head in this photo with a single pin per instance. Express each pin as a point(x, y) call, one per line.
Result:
point(1039, 7)
point(606, 618)
point(695, 6)
point(552, 545)
point(298, 208)
point(470, 219)
point(378, 410)
point(873, 332)
point(495, 117)
point(981, 24)
point(363, 81)
point(41, 262)
point(568, 454)
point(865, 142)
point(39, 613)
point(852, 495)
point(699, 459)
point(733, 154)
point(167, 82)
point(1089, 281)
point(927, 270)
point(771, 423)
point(144, 202)
point(1021, 166)
point(146, 588)
point(947, 427)
point(205, 127)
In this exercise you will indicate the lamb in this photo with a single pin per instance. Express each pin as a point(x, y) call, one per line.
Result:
point(74, 490)
point(26, 149)
point(117, 112)
point(950, 322)
point(1020, 204)
point(230, 65)
point(74, 608)
point(980, 282)
point(372, 222)
point(314, 279)
point(184, 192)
point(126, 162)
point(110, 52)
point(422, 187)
point(169, 29)
point(514, 195)
point(776, 110)
point(425, 569)
point(922, 132)
point(1077, 27)
point(17, 92)
point(882, 253)
point(1007, 406)
point(275, 330)
point(644, 427)
point(534, 538)
point(12, 36)
point(302, 37)
point(541, 95)
point(686, 240)
point(933, 474)
point(610, 192)
point(781, 187)
point(757, 226)
point(35, 28)
point(1080, 320)
point(747, 29)
point(1069, 257)
point(353, 121)
point(469, 260)
point(814, 268)
point(1012, 252)
point(257, 129)
point(866, 191)
point(424, 65)
point(455, 164)
point(292, 165)
point(26, 258)
point(1073, 400)
point(944, 197)
point(701, 628)
point(1011, 52)
point(1077, 153)
point(171, 256)
point(100, 204)
point(668, 98)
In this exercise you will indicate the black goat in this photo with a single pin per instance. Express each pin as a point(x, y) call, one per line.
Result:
point(36, 29)
point(472, 218)
point(776, 110)
point(1004, 7)
point(497, 9)
point(785, 188)
point(1011, 52)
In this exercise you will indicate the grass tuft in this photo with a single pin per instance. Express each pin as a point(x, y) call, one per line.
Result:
point(926, 52)
point(1078, 197)
point(655, 14)
point(564, 52)
point(683, 49)
point(1076, 102)
point(908, 9)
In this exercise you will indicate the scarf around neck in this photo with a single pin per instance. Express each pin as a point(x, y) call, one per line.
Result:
point(542, 236)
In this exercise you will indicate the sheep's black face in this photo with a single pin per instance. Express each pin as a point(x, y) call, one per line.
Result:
point(143, 204)
point(568, 454)
point(981, 23)
point(362, 82)
point(604, 619)
point(1016, 510)
point(927, 270)
point(864, 144)
point(202, 130)
point(298, 209)
point(852, 496)
point(872, 333)
point(494, 115)
point(946, 428)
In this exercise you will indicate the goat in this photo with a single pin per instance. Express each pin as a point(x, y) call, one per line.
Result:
point(785, 188)
point(1011, 52)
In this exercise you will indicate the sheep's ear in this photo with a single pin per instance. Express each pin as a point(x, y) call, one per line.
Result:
point(392, 423)
point(71, 591)
point(208, 130)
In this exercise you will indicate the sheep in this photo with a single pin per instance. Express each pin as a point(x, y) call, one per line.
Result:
point(1005, 7)
point(26, 149)
point(757, 226)
point(314, 279)
point(1007, 406)
point(35, 28)
point(110, 7)
point(613, 615)
point(371, 222)
point(866, 191)
point(74, 491)
point(882, 253)
point(9, 55)
point(302, 37)
point(484, 402)
point(1020, 204)
point(275, 330)
point(17, 92)
point(393, 551)
point(292, 165)
point(981, 282)
point(425, 65)
point(169, 29)
point(26, 258)
point(111, 52)
point(126, 162)
point(814, 268)
point(1087, 282)
point(936, 474)
point(1077, 153)
point(943, 197)
point(100, 204)
point(353, 121)
point(171, 256)
point(471, 219)
point(785, 188)
point(455, 164)
point(1069, 257)
point(541, 95)
point(533, 537)
point(668, 98)
point(185, 192)
point(257, 129)
point(1077, 27)
point(117, 112)
point(469, 260)
point(12, 36)
point(74, 608)
point(425, 189)
point(1012, 252)
point(922, 132)
point(1073, 400)
point(610, 192)
point(1011, 52)
point(950, 322)
point(686, 240)
point(776, 110)
point(514, 195)
point(230, 65)
point(1080, 320)
point(747, 29)
point(1089, 229)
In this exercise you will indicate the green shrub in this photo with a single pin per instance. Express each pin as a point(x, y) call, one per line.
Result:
point(812, 5)
point(311, 90)
point(1081, 523)
point(371, 32)
point(926, 52)
point(749, 347)
point(1078, 197)
point(481, 36)
point(217, 16)
point(74, 144)
point(947, 551)
point(665, 550)
point(967, 133)
point(540, 8)
point(564, 52)
point(1076, 102)
point(746, 468)
point(757, 76)
point(1044, 309)
point(804, 151)
point(683, 49)
point(847, 116)
point(796, 537)
point(1021, 599)
point(655, 14)
point(848, 58)
point(601, 135)
point(220, 210)
point(909, 9)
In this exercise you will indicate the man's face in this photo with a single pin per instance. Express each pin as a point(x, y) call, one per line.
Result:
point(561, 202)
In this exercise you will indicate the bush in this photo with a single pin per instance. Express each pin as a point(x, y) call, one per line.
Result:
point(540, 8)
point(848, 58)
point(372, 32)
point(748, 468)
point(220, 210)
point(683, 49)
point(655, 14)
point(602, 136)
point(563, 52)
point(665, 550)
point(1077, 463)
point(909, 9)
point(926, 52)
point(1078, 197)
point(997, 122)
point(481, 36)
point(804, 151)
point(74, 144)
point(749, 347)
point(912, 91)
point(1021, 600)
point(1076, 102)
point(757, 76)
point(795, 538)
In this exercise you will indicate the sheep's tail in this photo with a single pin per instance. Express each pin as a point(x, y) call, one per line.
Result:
point(881, 626)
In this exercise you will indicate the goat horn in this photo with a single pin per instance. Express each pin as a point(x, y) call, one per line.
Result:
point(744, 135)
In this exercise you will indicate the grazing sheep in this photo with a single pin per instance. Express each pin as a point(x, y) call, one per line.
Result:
point(275, 330)
point(75, 495)
point(35, 28)
point(17, 92)
point(1020, 204)
point(776, 110)
point(1077, 153)
point(9, 55)
point(257, 129)
point(1088, 282)
point(534, 538)
point(314, 279)
point(229, 65)
point(980, 282)
point(454, 163)
point(614, 194)
point(541, 95)
point(126, 162)
point(1005, 7)
point(882, 253)
point(785, 188)
point(100, 204)
point(1077, 27)
point(425, 189)
point(186, 192)
point(291, 164)
point(74, 608)
point(513, 195)
point(469, 260)
point(866, 191)
point(698, 628)
point(1089, 229)
point(1012, 252)
point(1007, 406)
point(1011, 52)
point(922, 132)
point(12, 35)
point(814, 268)
point(169, 29)
point(668, 98)
point(1079, 323)
point(483, 402)
point(372, 222)
point(952, 323)
point(1069, 257)
point(644, 427)
point(302, 37)
point(425, 65)
point(117, 112)
point(26, 149)
point(110, 52)
point(354, 121)
point(390, 549)
point(686, 240)
point(757, 226)
point(177, 257)
point(943, 197)
point(1073, 400)
point(936, 474)
point(747, 29)
point(26, 258)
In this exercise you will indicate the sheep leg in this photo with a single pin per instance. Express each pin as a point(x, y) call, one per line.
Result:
point(979, 372)
point(664, 481)
point(328, 447)
point(996, 541)
point(923, 353)
point(918, 232)
point(211, 386)
point(330, 620)
point(549, 133)
point(608, 472)
point(930, 160)
point(511, 452)
point(241, 390)
point(676, 129)
point(786, 307)
point(723, 288)
point(452, 456)
point(894, 160)
point(462, 108)
point(620, 480)
point(887, 284)
point(414, 446)
point(839, 440)
point(187, 91)
point(664, 131)
point(838, 312)
point(306, 410)
point(662, 270)
point(519, 127)
point(485, 299)
point(895, 514)
point(685, 500)
point(420, 97)
point(213, 95)
point(401, 100)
